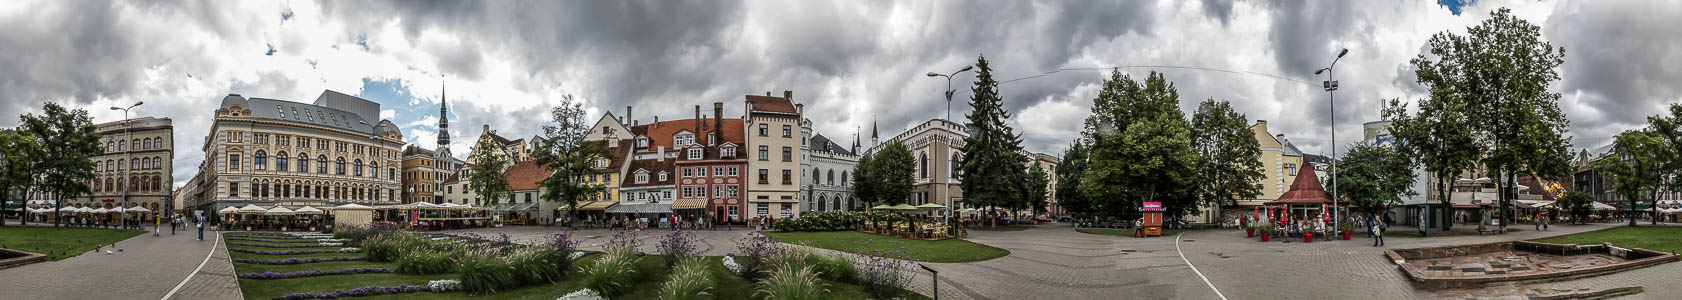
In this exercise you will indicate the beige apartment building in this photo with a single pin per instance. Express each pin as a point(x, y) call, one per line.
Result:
point(276, 152)
point(135, 167)
point(772, 125)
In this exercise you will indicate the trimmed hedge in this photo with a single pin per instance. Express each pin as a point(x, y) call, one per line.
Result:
point(838, 221)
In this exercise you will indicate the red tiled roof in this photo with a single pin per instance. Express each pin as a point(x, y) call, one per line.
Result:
point(1306, 190)
point(525, 175)
point(660, 134)
point(771, 104)
point(654, 167)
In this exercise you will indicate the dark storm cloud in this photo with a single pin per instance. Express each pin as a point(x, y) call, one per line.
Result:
point(1620, 64)
point(74, 51)
point(1218, 9)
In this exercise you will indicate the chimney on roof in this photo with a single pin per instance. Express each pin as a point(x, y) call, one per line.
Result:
point(718, 117)
point(656, 123)
point(660, 153)
point(788, 95)
point(486, 128)
point(627, 118)
point(698, 119)
point(798, 108)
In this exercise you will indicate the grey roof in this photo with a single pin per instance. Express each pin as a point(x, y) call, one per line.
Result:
point(823, 144)
point(1291, 149)
point(283, 110)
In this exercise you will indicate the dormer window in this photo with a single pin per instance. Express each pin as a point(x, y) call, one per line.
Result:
point(642, 176)
point(683, 139)
point(712, 138)
point(695, 153)
point(662, 176)
point(642, 142)
point(728, 152)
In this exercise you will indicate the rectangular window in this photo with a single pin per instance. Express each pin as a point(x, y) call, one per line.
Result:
point(233, 189)
point(733, 212)
point(764, 129)
point(763, 176)
point(728, 153)
point(701, 172)
point(788, 131)
point(764, 209)
point(732, 171)
point(718, 171)
point(233, 161)
point(688, 173)
point(642, 177)
point(695, 153)
point(733, 191)
point(788, 210)
point(688, 192)
point(788, 177)
point(788, 153)
point(764, 152)
point(665, 195)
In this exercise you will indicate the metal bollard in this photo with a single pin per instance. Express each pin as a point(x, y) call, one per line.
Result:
point(935, 275)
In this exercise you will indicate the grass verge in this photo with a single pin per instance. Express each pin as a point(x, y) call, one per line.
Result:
point(1656, 238)
point(942, 251)
point(61, 242)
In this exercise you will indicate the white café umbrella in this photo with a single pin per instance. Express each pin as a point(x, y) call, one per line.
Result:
point(251, 208)
point(100, 211)
point(138, 209)
point(308, 211)
point(279, 211)
point(115, 210)
point(228, 210)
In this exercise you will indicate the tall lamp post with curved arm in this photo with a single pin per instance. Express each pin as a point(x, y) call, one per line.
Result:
point(947, 217)
point(123, 218)
point(1331, 93)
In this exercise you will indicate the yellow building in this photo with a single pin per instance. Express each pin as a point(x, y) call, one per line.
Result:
point(135, 168)
point(420, 180)
point(1280, 162)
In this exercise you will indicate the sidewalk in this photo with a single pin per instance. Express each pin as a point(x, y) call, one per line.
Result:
point(148, 267)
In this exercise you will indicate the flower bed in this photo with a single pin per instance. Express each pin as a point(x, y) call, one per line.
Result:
point(357, 292)
point(294, 260)
point(285, 246)
point(311, 273)
point(289, 252)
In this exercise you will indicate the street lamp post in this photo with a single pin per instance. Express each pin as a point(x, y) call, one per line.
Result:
point(947, 217)
point(1331, 93)
point(123, 218)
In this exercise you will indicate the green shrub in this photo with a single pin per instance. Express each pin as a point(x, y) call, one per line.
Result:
point(690, 280)
point(613, 273)
point(832, 266)
point(427, 262)
point(787, 282)
point(484, 272)
point(535, 265)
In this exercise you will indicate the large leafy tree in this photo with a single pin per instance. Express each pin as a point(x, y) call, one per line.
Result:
point(1668, 128)
point(1438, 136)
point(864, 180)
point(564, 150)
point(67, 142)
point(1140, 149)
point(1578, 204)
point(487, 179)
point(1069, 175)
point(1637, 167)
point(992, 163)
point(1034, 189)
point(892, 171)
point(1502, 69)
point(16, 166)
point(1229, 151)
point(1373, 177)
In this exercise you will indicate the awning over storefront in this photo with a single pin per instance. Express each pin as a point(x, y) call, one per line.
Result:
point(581, 204)
point(597, 206)
point(641, 208)
point(690, 204)
point(516, 206)
point(1467, 206)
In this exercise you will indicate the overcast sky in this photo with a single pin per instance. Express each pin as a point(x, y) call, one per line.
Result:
point(849, 62)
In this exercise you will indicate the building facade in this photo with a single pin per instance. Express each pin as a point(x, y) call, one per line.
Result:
point(934, 146)
point(771, 125)
point(136, 166)
point(1049, 163)
point(829, 166)
point(276, 152)
point(420, 177)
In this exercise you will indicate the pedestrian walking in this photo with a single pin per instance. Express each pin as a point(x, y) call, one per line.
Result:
point(201, 228)
point(1378, 234)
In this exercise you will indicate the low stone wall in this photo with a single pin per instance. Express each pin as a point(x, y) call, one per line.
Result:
point(1636, 258)
point(13, 258)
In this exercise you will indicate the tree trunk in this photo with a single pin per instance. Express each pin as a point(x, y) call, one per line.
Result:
point(1448, 204)
point(1655, 201)
point(58, 206)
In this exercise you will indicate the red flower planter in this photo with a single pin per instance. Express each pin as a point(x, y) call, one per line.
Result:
point(1345, 235)
point(1264, 238)
point(1250, 233)
point(1308, 237)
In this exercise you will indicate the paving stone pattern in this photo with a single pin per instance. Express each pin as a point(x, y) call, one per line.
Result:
point(146, 268)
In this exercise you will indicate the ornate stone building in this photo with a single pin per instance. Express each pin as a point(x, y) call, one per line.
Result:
point(276, 152)
point(136, 165)
point(774, 169)
point(830, 168)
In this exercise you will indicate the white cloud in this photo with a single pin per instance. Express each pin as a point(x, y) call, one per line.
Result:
point(388, 114)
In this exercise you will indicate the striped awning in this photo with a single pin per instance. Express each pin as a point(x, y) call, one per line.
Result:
point(596, 206)
point(694, 203)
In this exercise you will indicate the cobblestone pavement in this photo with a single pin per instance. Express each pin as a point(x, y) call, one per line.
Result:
point(1244, 268)
point(216, 281)
point(147, 268)
point(1054, 262)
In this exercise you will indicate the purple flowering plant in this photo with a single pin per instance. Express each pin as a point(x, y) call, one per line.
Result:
point(274, 245)
point(311, 273)
point(294, 260)
point(679, 245)
point(754, 253)
point(283, 252)
point(357, 292)
point(881, 272)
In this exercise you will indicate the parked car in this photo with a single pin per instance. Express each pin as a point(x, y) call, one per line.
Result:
point(1042, 219)
point(1065, 219)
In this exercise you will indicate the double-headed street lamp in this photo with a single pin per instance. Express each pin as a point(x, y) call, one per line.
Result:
point(1331, 93)
point(123, 218)
point(947, 218)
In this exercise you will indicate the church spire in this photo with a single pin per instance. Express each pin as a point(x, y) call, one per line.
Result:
point(873, 141)
point(444, 119)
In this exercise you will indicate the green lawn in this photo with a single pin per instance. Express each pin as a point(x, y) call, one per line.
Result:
point(942, 251)
point(1656, 238)
point(1121, 232)
point(62, 242)
point(652, 271)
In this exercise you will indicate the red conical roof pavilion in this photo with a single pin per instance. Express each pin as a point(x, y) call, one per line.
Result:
point(1306, 190)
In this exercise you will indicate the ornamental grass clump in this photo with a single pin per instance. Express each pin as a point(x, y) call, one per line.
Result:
point(677, 246)
point(616, 270)
point(754, 252)
point(787, 282)
point(483, 272)
point(832, 266)
point(563, 245)
point(535, 265)
point(689, 280)
point(427, 262)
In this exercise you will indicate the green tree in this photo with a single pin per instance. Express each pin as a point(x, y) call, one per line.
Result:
point(1034, 189)
point(1638, 167)
point(992, 162)
point(1140, 149)
point(1373, 177)
point(67, 142)
point(892, 168)
point(487, 179)
point(1439, 137)
point(1229, 152)
point(16, 166)
point(1502, 69)
point(1578, 204)
point(1069, 175)
point(564, 150)
point(864, 180)
point(1669, 131)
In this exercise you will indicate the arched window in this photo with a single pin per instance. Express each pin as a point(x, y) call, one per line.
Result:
point(146, 143)
point(952, 164)
point(280, 161)
point(321, 164)
point(108, 186)
point(133, 184)
point(98, 166)
point(339, 166)
point(262, 160)
point(303, 162)
point(817, 177)
point(134, 144)
point(112, 146)
point(374, 171)
point(844, 181)
point(830, 177)
point(923, 165)
point(157, 183)
point(157, 162)
point(358, 170)
point(134, 164)
point(145, 163)
point(110, 164)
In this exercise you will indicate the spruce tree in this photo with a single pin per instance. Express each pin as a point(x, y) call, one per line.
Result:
point(992, 163)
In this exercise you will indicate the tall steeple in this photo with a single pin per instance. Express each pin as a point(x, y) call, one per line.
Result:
point(873, 141)
point(444, 119)
point(856, 140)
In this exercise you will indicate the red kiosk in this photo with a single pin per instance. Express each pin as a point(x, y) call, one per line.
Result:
point(1306, 199)
point(1151, 223)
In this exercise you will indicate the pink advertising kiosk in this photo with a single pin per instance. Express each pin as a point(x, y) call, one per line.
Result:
point(1151, 223)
